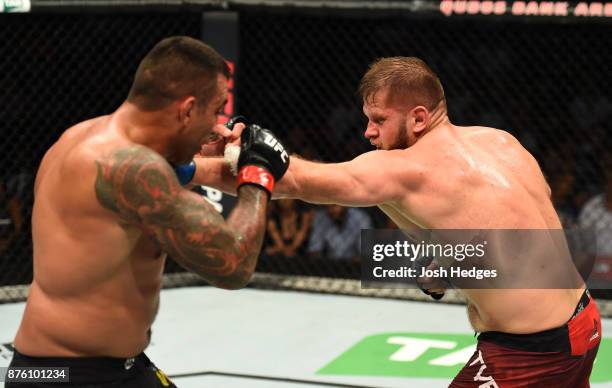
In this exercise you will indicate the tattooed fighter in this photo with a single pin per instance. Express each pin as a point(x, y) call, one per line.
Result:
point(109, 207)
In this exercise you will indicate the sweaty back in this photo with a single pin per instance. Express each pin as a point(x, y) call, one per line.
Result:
point(479, 176)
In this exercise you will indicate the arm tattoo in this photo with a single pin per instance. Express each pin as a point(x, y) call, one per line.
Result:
point(142, 188)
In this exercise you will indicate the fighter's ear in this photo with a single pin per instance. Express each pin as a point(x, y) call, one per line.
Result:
point(185, 109)
point(419, 115)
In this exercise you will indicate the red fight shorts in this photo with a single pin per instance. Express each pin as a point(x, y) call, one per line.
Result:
point(562, 357)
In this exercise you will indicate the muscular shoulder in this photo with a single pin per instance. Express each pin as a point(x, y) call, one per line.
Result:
point(69, 161)
point(130, 155)
point(90, 145)
point(506, 138)
point(501, 144)
point(515, 161)
point(498, 136)
point(128, 178)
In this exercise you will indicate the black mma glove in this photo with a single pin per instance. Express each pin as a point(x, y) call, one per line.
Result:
point(263, 159)
point(234, 120)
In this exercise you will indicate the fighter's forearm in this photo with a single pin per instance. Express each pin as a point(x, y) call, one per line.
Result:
point(224, 253)
point(215, 173)
point(287, 187)
point(310, 182)
point(367, 180)
point(248, 219)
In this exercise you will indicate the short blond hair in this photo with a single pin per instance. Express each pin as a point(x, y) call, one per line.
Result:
point(408, 79)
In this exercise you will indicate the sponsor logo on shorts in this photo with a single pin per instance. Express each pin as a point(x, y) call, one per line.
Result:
point(129, 363)
point(595, 331)
point(489, 380)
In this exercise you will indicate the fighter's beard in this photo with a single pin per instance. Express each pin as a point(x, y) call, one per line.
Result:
point(402, 141)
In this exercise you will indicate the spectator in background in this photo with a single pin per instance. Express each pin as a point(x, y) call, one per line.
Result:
point(11, 219)
point(596, 215)
point(336, 232)
point(288, 227)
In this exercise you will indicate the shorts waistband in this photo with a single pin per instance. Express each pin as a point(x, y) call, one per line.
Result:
point(584, 301)
point(88, 370)
point(552, 340)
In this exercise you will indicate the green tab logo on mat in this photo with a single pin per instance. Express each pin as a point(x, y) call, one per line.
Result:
point(427, 355)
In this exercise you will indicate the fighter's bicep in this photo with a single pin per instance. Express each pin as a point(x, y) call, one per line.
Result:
point(377, 177)
point(143, 190)
point(133, 181)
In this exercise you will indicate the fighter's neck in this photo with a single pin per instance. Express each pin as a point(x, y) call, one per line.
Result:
point(439, 122)
point(149, 129)
point(438, 119)
point(439, 115)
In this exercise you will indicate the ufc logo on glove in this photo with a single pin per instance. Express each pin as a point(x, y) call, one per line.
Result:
point(278, 147)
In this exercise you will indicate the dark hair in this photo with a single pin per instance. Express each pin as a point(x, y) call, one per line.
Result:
point(176, 67)
point(408, 79)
